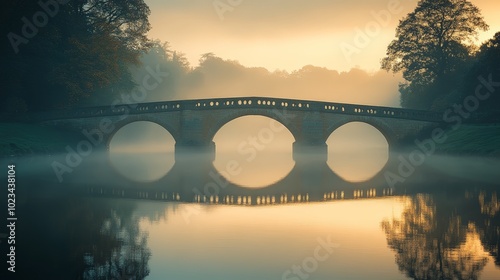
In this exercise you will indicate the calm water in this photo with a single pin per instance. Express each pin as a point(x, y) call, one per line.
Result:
point(154, 218)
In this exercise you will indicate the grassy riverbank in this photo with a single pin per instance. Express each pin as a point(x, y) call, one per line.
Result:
point(467, 140)
point(28, 139)
point(472, 140)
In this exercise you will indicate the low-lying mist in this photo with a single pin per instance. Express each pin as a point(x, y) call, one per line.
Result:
point(216, 77)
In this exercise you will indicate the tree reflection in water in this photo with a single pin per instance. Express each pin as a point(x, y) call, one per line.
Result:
point(490, 223)
point(83, 239)
point(443, 237)
point(127, 259)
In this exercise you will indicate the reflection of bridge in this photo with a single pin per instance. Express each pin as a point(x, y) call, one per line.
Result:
point(194, 123)
point(197, 180)
point(310, 180)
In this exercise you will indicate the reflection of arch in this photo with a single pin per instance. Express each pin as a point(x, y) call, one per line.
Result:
point(348, 168)
point(310, 179)
point(305, 176)
point(386, 130)
point(233, 115)
point(119, 125)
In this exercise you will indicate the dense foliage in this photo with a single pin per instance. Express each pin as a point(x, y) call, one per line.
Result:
point(62, 53)
point(434, 49)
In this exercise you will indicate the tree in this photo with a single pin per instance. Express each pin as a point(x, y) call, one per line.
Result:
point(486, 65)
point(432, 44)
point(79, 55)
point(172, 62)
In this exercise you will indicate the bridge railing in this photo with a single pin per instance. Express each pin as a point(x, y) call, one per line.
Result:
point(242, 102)
point(316, 106)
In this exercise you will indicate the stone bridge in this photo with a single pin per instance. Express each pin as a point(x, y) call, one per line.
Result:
point(194, 123)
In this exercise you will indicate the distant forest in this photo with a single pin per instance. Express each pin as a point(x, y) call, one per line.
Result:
point(61, 54)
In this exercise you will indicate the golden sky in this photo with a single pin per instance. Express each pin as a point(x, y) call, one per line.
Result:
point(288, 34)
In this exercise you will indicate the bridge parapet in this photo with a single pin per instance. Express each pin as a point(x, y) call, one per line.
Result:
point(243, 102)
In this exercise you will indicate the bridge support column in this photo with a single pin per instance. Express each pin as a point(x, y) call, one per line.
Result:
point(187, 151)
point(316, 151)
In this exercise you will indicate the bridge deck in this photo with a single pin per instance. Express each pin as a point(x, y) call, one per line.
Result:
point(242, 102)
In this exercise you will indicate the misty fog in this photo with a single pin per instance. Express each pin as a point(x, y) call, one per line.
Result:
point(216, 77)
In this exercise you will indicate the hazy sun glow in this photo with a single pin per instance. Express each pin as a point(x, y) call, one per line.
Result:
point(290, 34)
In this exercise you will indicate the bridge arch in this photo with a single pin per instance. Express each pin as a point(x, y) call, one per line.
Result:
point(277, 115)
point(120, 124)
point(389, 134)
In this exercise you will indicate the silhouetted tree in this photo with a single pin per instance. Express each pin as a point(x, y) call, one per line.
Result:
point(485, 66)
point(433, 43)
point(59, 55)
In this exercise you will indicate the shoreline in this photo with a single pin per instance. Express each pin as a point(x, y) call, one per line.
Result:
point(24, 139)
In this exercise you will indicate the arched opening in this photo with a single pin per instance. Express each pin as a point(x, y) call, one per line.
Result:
point(253, 151)
point(357, 151)
point(142, 151)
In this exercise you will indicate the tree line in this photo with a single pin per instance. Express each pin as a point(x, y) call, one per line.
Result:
point(59, 54)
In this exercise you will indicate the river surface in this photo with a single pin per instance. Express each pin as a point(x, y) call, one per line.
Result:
point(156, 218)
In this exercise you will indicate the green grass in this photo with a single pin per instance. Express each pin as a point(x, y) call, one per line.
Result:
point(29, 139)
point(473, 140)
